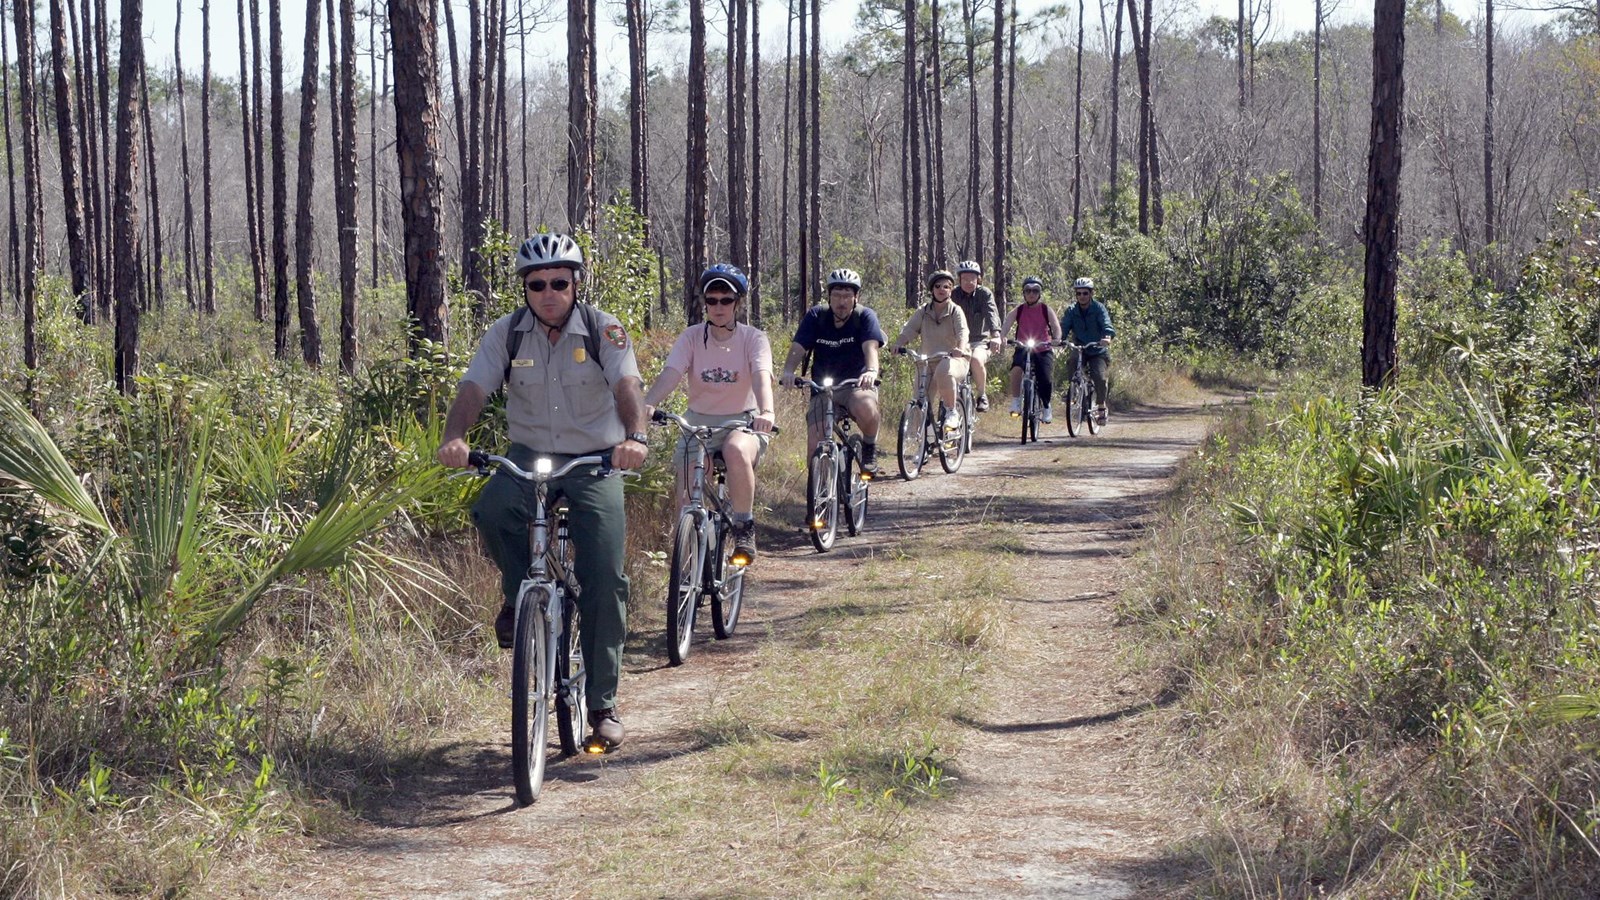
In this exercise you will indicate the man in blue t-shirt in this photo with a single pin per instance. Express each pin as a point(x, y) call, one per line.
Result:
point(843, 338)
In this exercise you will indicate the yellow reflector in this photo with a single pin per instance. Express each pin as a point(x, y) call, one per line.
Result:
point(817, 524)
point(739, 559)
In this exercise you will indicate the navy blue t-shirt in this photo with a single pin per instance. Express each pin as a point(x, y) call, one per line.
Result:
point(838, 353)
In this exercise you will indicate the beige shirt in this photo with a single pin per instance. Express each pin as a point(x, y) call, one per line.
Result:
point(558, 400)
point(939, 334)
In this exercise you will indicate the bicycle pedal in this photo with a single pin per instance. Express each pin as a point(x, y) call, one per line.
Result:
point(595, 746)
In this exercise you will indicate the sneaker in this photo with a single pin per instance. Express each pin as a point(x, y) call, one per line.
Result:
point(1100, 414)
point(607, 731)
point(1045, 416)
point(952, 420)
point(869, 460)
point(982, 404)
point(1016, 407)
point(504, 624)
point(744, 543)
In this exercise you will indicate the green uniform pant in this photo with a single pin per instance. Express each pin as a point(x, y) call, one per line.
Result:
point(597, 525)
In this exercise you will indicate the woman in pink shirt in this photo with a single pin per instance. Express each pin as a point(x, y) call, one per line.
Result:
point(1035, 321)
point(726, 367)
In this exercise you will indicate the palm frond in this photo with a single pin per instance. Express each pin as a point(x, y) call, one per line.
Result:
point(31, 458)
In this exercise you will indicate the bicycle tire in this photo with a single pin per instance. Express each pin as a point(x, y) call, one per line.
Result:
point(530, 699)
point(822, 501)
point(683, 589)
point(912, 421)
point(1089, 416)
point(952, 450)
point(970, 412)
point(571, 689)
point(853, 488)
point(1074, 406)
point(1027, 410)
point(728, 596)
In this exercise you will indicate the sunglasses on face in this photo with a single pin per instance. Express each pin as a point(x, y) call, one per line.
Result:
point(1082, 293)
point(539, 284)
point(721, 301)
point(1031, 292)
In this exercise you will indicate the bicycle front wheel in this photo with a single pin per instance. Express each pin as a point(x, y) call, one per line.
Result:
point(853, 488)
point(822, 501)
point(1074, 406)
point(952, 447)
point(571, 690)
point(728, 597)
point(912, 447)
point(530, 696)
point(683, 592)
point(1028, 411)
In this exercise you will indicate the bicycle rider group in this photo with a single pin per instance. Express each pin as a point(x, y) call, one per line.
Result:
point(577, 412)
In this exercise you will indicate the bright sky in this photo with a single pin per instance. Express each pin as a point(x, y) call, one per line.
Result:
point(160, 16)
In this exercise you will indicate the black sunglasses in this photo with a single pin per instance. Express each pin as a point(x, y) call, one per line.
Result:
point(721, 301)
point(1031, 291)
point(539, 284)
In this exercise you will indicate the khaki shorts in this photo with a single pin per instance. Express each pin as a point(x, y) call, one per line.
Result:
point(955, 367)
point(680, 453)
point(980, 353)
point(841, 403)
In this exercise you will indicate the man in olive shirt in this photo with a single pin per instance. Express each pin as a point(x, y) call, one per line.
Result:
point(983, 324)
point(573, 389)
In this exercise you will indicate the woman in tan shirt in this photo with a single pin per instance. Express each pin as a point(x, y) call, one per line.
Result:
point(943, 329)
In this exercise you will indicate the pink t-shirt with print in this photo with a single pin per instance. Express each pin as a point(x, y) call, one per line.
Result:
point(719, 375)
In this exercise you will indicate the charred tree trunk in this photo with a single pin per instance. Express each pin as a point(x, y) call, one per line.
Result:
point(1382, 224)
point(125, 209)
point(13, 233)
point(33, 204)
point(416, 103)
point(93, 182)
point(783, 193)
point(695, 199)
point(158, 290)
point(346, 188)
point(305, 184)
point(252, 171)
point(911, 143)
point(972, 240)
point(738, 100)
point(208, 292)
point(280, 190)
point(803, 164)
point(580, 140)
point(470, 143)
point(816, 144)
point(183, 159)
point(67, 138)
point(998, 150)
point(1488, 129)
point(1077, 133)
point(941, 229)
point(1316, 118)
point(1116, 108)
point(755, 164)
point(639, 132)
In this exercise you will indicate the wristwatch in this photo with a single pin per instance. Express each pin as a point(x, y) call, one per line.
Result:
point(639, 436)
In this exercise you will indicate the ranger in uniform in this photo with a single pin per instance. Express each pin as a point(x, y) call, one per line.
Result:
point(573, 389)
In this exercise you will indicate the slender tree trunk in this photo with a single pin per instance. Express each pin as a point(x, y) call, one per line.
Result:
point(208, 291)
point(816, 144)
point(32, 210)
point(928, 221)
point(1158, 216)
point(470, 142)
point(1011, 127)
point(803, 163)
point(1488, 128)
point(305, 185)
point(13, 233)
point(522, 114)
point(1243, 98)
point(346, 188)
point(1077, 133)
point(183, 157)
point(503, 125)
point(1141, 55)
point(639, 132)
point(280, 189)
point(93, 182)
point(258, 124)
point(911, 142)
point(696, 200)
point(157, 256)
point(372, 130)
point(252, 170)
point(414, 32)
point(1116, 108)
point(1316, 118)
point(66, 138)
point(1381, 229)
point(738, 102)
point(941, 227)
point(125, 212)
point(580, 142)
point(783, 194)
point(972, 240)
point(755, 164)
point(102, 132)
point(997, 148)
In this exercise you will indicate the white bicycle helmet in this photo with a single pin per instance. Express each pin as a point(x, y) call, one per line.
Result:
point(1083, 283)
point(969, 265)
point(549, 251)
point(844, 278)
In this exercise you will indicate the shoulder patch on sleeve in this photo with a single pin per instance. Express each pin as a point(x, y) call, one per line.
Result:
point(616, 335)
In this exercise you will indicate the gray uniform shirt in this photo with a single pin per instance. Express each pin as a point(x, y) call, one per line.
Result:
point(559, 400)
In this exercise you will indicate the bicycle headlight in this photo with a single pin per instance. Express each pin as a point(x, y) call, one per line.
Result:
point(543, 466)
point(827, 382)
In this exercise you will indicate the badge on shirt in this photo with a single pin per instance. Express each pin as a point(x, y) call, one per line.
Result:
point(580, 355)
point(616, 336)
point(522, 364)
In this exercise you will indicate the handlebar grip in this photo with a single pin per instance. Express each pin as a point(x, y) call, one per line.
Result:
point(659, 417)
point(477, 459)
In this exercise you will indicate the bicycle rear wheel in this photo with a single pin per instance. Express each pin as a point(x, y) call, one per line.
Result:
point(1088, 413)
point(683, 591)
point(1074, 405)
point(952, 446)
point(911, 447)
point(1027, 411)
point(530, 696)
point(728, 597)
point(822, 501)
point(571, 690)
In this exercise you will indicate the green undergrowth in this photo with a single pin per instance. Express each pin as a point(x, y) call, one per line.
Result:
point(1381, 609)
point(849, 721)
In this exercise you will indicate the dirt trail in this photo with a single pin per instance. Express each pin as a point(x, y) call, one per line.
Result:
point(1060, 791)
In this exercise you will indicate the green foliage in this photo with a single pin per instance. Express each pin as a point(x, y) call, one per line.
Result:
point(623, 268)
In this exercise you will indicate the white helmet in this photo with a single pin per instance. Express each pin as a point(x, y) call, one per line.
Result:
point(549, 251)
point(844, 278)
point(969, 265)
point(1083, 284)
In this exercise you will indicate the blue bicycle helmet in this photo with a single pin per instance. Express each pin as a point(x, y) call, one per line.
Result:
point(726, 273)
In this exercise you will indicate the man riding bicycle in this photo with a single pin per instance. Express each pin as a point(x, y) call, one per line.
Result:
point(983, 325)
point(556, 357)
point(943, 329)
point(1088, 322)
point(843, 338)
point(1036, 322)
point(729, 369)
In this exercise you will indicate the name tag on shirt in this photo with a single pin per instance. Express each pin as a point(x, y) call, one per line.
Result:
point(522, 364)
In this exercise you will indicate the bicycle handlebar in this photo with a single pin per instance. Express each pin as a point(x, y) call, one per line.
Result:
point(925, 357)
point(483, 461)
point(662, 417)
point(1035, 346)
point(821, 389)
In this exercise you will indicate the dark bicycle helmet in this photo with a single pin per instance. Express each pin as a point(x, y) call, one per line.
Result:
point(1032, 282)
point(549, 251)
point(940, 275)
point(844, 278)
point(728, 274)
